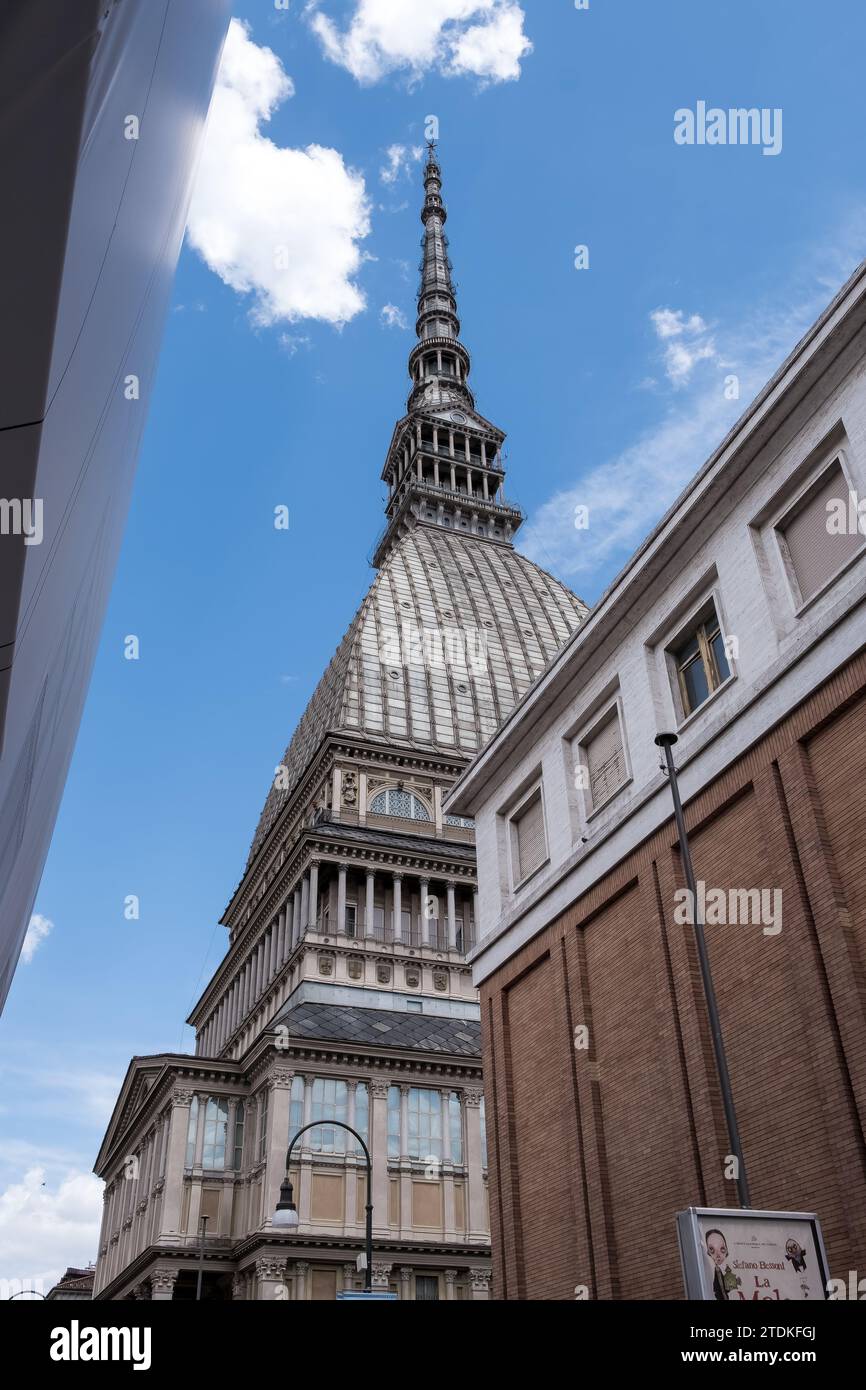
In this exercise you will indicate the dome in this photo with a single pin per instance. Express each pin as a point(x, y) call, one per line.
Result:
point(449, 637)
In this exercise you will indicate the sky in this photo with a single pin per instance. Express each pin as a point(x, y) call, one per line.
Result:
point(615, 369)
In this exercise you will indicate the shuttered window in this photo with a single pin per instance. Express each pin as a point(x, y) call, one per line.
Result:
point(528, 831)
point(605, 760)
point(817, 545)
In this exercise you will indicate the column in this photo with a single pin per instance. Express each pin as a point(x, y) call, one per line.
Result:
point(314, 895)
point(405, 1283)
point(425, 912)
point(379, 1148)
point(162, 1282)
point(453, 478)
point(257, 989)
point(476, 919)
point(305, 903)
point(296, 917)
point(450, 1285)
point(368, 908)
point(173, 1192)
point(341, 900)
point(397, 888)
point(484, 484)
point(269, 955)
point(290, 926)
point(452, 919)
point(270, 1278)
point(480, 1283)
point(475, 1172)
point(281, 938)
point(278, 1137)
point(302, 1272)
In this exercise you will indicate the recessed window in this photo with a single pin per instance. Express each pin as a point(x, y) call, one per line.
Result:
point(399, 803)
point(605, 759)
point(426, 1288)
point(819, 535)
point(701, 661)
point(528, 842)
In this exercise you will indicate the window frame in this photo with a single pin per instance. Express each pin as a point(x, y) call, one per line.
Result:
point(788, 512)
point(534, 793)
point(611, 709)
point(686, 631)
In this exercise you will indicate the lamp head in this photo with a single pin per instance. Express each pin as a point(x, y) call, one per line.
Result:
point(286, 1213)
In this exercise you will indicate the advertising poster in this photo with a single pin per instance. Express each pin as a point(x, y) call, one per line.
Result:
point(747, 1256)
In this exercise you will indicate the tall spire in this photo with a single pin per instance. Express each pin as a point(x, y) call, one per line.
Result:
point(444, 467)
point(439, 349)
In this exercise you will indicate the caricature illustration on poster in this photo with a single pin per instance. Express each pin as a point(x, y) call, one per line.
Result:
point(747, 1259)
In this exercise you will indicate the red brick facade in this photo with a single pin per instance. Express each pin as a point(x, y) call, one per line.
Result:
point(593, 1151)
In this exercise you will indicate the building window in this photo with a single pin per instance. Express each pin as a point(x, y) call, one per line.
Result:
point(330, 1102)
point(528, 843)
point(424, 1140)
point(216, 1123)
point(465, 822)
point(263, 1126)
point(351, 919)
point(393, 1121)
point(296, 1107)
point(362, 1110)
point(238, 1156)
point(191, 1129)
point(701, 661)
point(426, 1288)
point(455, 1121)
point(816, 536)
point(399, 803)
point(604, 757)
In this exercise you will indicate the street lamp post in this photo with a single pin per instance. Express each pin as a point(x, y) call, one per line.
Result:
point(286, 1213)
point(666, 741)
point(204, 1221)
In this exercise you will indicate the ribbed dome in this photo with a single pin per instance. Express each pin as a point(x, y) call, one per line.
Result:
point(451, 634)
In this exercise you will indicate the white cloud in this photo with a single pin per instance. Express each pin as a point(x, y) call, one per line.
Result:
point(37, 931)
point(392, 317)
point(42, 1231)
point(281, 225)
point(628, 493)
point(687, 341)
point(482, 38)
point(400, 161)
point(493, 50)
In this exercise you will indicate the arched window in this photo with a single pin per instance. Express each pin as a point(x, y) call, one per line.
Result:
point(398, 803)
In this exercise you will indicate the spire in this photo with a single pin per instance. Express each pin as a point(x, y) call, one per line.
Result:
point(439, 360)
point(444, 467)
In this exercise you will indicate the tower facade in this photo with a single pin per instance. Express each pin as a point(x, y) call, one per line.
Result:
point(345, 994)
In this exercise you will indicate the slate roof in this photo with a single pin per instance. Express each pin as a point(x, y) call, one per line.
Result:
point(344, 1023)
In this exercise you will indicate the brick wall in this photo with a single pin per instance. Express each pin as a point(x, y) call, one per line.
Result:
point(593, 1151)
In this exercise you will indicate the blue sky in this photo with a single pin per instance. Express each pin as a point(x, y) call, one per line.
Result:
point(705, 262)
